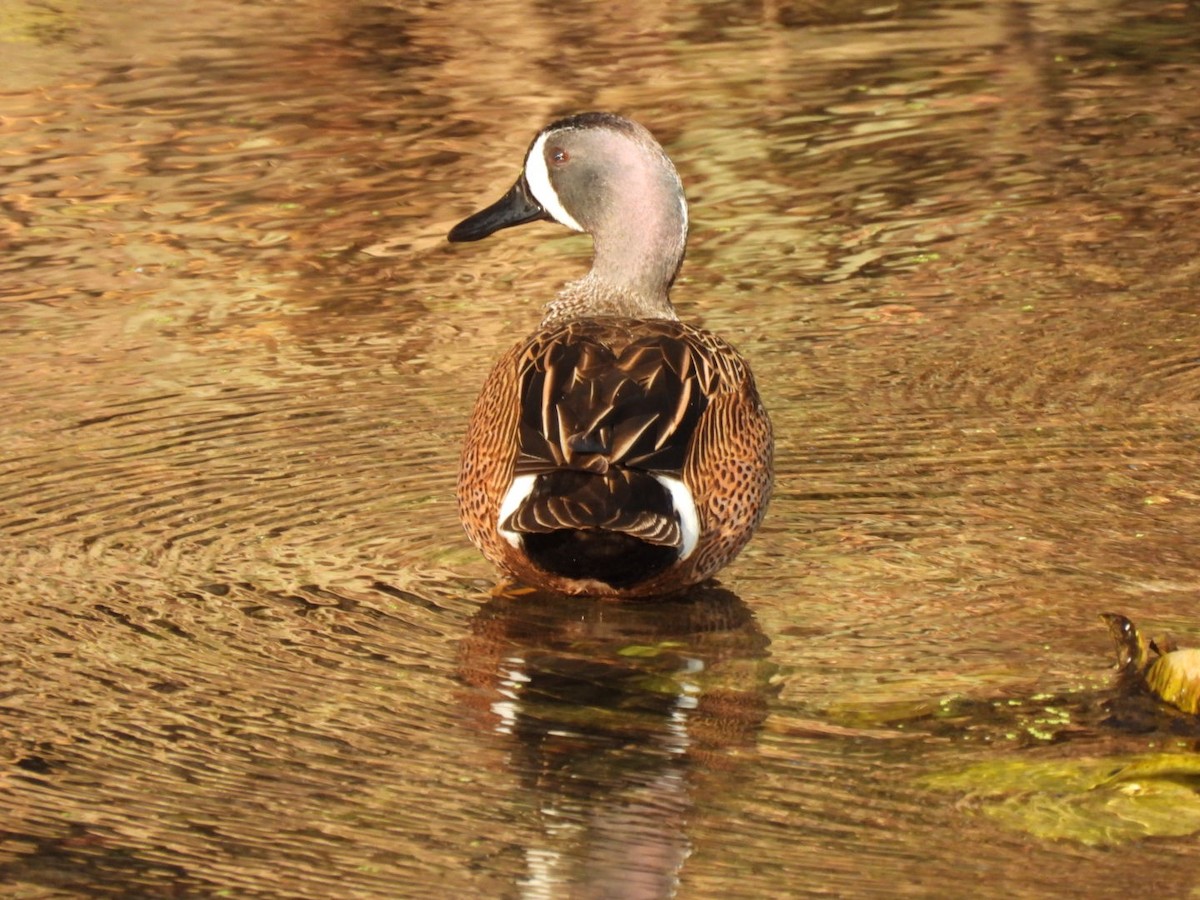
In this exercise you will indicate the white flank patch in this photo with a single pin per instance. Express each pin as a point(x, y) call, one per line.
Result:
point(543, 191)
point(521, 488)
point(689, 519)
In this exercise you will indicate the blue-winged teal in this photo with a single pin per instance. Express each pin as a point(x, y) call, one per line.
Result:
point(616, 451)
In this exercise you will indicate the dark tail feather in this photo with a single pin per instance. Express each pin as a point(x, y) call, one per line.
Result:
point(628, 502)
point(618, 528)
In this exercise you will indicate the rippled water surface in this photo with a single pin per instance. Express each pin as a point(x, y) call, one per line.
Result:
point(245, 649)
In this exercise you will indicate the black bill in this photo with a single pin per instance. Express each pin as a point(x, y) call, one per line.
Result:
point(515, 208)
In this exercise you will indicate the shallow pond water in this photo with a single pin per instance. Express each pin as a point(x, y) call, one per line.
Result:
point(245, 648)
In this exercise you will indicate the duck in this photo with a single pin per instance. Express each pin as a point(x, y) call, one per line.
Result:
point(616, 451)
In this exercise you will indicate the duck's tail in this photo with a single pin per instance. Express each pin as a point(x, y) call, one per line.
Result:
point(618, 527)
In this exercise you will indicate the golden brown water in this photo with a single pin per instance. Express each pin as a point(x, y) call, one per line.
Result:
point(246, 650)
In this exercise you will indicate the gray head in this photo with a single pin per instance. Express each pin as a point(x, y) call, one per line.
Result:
point(607, 176)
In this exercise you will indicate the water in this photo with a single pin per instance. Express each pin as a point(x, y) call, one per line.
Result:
point(246, 650)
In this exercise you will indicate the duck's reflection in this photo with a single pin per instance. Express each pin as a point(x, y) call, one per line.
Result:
point(616, 716)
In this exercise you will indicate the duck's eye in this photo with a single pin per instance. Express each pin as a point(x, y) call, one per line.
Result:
point(559, 156)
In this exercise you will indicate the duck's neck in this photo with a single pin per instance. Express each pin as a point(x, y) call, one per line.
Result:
point(592, 296)
point(637, 254)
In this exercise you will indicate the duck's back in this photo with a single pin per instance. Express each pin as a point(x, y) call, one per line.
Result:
point(585, 461)
point(597, 393)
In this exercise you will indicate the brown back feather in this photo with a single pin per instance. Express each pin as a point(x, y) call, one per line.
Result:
point(599, 393)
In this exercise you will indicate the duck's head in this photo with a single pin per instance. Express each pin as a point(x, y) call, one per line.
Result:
point(605, 175)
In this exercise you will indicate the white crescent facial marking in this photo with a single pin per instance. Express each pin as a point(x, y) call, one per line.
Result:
point(685, 506)
point(538, 177)
point(518, 492)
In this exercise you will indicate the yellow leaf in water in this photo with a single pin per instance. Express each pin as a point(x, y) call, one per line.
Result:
point(1175, 678)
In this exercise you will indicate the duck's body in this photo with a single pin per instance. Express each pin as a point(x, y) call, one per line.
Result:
point(616, 451)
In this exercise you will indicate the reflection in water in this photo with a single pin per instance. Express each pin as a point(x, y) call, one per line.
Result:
point(618, 719)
